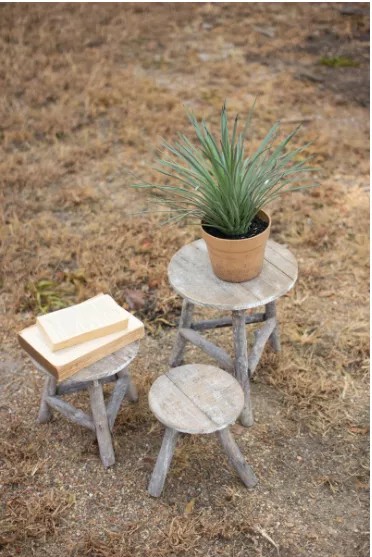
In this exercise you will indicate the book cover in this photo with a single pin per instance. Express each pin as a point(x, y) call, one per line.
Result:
point(66, 362)
point(94, 318)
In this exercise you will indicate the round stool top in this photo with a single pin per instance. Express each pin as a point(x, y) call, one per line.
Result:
point(196, 398)
point(190, 274)
point(107, 366)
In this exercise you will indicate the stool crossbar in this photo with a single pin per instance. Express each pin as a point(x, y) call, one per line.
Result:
point(112, 368)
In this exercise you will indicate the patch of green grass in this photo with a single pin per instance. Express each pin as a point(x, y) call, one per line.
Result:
point(47, 296)
point(338, 62)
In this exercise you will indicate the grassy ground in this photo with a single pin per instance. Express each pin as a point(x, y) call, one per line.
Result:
point(88, 90)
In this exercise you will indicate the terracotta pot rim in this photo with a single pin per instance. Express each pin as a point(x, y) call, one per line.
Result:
point(216, 239)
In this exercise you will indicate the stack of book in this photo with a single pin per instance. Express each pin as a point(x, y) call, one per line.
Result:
point(70, 339)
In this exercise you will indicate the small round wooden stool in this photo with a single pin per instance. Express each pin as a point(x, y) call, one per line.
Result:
point(197, 399)
point(111, 368)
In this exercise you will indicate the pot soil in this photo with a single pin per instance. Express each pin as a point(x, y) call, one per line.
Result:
point(238, 259)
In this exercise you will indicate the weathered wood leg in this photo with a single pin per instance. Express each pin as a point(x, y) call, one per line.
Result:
point(50, 388)
point(180, 343)
point(74, 414)
point(236, 458)
point(101, 423)
point(270, 311)
point(241, 364)
point(261, 336)
point(163, 462)
point(119, 392)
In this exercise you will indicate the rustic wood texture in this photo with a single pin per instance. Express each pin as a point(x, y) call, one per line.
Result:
point(225, 322)
point(196, 398)
point(73, 414)
point(190, 274)
point(117, 395)
point(163, 462)
point(199, 399)
point(179, 345)
point(236, 458)
point(101, 424)
point(112, 368)
point(274, 338)
point(261, 337)
point(76, 386)
point(209, 347)
point(50, 387)
point(241, 364)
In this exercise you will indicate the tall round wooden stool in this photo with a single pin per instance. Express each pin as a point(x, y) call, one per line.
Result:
point(190, 274)
point(197, 399)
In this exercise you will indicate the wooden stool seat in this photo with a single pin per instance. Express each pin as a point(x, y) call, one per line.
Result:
point(197, 399)
point(190, 274)
point(112, 368)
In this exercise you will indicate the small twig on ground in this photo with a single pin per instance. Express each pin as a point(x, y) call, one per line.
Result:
point(267, 537)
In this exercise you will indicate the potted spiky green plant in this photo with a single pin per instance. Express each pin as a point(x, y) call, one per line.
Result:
point(216, 184)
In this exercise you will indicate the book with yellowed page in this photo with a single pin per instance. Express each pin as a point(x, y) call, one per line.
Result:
point(64, 363)
point(94, 318)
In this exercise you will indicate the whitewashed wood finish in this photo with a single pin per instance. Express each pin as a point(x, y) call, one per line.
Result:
point(225, 322)
point(196, 398)
point(236, 458)
point(190, 274)
point(116, 398)
point(110, 365)
point(274, 337)
point(50, 387)
point(179, 345)
point(261, 337)
point(209, 347)
point(101, 424)
point(212, 390)
point(172, 408)
point(163, 462)
point(201, 399)
point(241, 364)
point(73, 414)
point(76, 386)
point(111, 368)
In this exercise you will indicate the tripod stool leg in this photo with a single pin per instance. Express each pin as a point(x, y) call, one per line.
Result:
point(270, 311)
point(241, 364)
point(236, 458)
point(180, 343)
point(163, 462)
point(50, 388)
point(99, 413)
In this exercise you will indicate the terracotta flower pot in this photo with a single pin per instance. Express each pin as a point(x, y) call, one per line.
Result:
point(238, 260)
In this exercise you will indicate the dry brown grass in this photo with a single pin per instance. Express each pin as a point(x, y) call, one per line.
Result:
point(87, 92)
point(31, 516)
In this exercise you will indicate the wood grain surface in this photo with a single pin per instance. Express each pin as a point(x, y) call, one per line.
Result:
point(190, 274)
point(196, 398)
